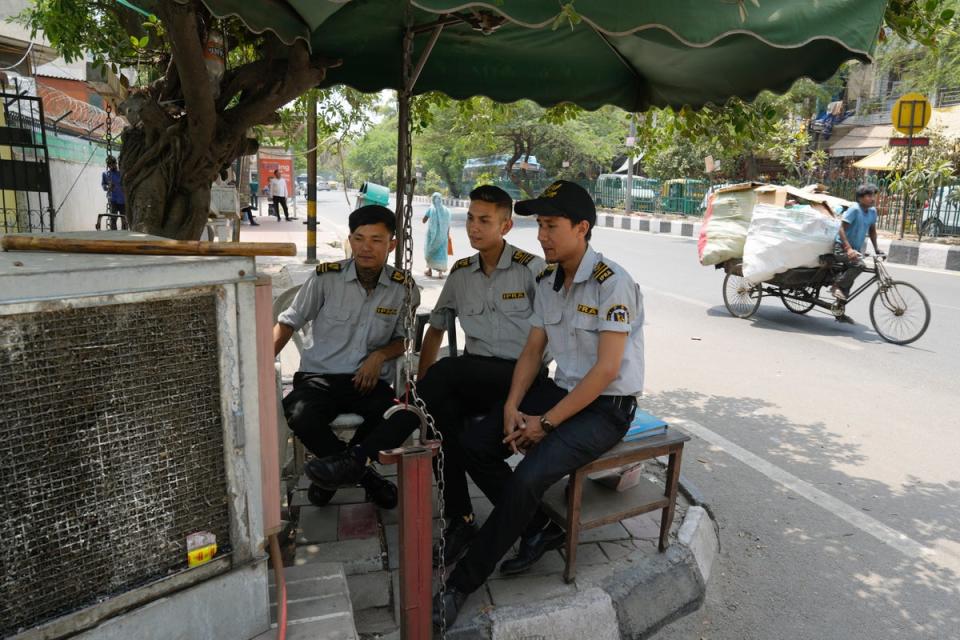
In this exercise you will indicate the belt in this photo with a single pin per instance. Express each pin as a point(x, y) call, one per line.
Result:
point(626, 403)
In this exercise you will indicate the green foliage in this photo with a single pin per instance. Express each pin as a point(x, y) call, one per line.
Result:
point(374, 157)
point(929, 166)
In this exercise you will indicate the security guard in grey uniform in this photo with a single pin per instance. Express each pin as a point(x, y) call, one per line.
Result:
point(590, 312)
point(492, 293)
point(356, 307)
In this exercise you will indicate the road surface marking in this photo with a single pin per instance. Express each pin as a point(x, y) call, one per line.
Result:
point(833, 341)
point(891, 537)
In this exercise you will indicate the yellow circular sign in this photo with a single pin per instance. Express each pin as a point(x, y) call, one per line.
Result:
point(911, 109)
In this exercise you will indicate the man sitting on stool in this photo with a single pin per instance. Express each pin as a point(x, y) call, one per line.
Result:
point(590, 312)
point(492, 293)
point(356, 306)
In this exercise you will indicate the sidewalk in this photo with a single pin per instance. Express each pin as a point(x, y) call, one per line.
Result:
point(624, 587)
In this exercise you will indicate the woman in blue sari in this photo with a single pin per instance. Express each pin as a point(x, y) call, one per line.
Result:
point(437, 219)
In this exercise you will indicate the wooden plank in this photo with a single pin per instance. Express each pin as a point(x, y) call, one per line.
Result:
point(600, 505)
point(147, 247)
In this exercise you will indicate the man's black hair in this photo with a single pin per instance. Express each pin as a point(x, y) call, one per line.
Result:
point(866, 189)
point(493, 195)
point(111, 161)
point(373, 214)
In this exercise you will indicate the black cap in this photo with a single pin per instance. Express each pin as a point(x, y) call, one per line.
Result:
point(562, 198)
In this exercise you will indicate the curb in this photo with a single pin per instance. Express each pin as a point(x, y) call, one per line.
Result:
point(644, 224)
point(923, 254)
point(637, 597)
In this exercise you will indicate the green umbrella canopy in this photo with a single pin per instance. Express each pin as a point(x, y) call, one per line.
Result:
point(631, 54)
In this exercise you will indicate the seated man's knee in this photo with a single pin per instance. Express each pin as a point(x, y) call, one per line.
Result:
point(485, 438)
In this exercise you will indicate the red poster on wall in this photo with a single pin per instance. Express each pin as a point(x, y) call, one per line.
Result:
point(267, 163)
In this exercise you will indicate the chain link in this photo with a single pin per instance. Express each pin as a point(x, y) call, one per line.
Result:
point(405, 192)
point(108, 138)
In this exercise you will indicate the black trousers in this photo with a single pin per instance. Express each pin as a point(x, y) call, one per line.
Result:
point(454, 390)
point(280, 201)
point(852, 269)
point(517, 494)
point(316, 400)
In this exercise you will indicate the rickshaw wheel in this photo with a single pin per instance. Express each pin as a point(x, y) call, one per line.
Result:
point(801, 307)
point(740, 297)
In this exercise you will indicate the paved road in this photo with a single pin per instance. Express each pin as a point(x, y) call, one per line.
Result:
point(829, 457)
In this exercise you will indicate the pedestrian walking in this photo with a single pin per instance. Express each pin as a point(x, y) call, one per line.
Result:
point(435, 246)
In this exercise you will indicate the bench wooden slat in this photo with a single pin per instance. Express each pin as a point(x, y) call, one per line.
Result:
point(601, 505)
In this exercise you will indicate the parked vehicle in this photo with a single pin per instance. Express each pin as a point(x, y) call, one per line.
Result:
point(941, 213)
point(683, 195)
point(611, 191)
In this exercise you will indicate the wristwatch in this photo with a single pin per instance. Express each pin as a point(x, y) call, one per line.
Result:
point(546, 425)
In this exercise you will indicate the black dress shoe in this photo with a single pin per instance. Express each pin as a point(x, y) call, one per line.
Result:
point(339, 470)
point(379, 490)
point(457, 536)
point(318, 496)
point(533, 548)
point(446, 606)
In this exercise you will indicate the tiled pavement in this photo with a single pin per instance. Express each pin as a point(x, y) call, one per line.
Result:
point(365, 540)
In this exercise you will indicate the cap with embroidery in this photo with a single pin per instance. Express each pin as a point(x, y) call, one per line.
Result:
point(562, 198)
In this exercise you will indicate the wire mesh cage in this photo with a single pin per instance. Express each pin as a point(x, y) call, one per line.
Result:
point(111, 451)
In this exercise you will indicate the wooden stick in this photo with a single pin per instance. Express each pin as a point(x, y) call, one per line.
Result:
point(147, 247)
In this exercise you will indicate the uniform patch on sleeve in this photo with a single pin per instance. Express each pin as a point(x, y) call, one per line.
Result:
point(618, 313)
point(514, 295)
point(601, 272)
point(460, 264)
point(398, 276)
point(590, 311)
point(326, 267)
point(386, 311)
point(522, 257)
point(546, 272)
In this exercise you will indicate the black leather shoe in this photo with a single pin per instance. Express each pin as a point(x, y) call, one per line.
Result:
point(447, 607)
point(379, 490)
point(339, 470)
point(533, 548)
point(318, 496)
point(458, 536)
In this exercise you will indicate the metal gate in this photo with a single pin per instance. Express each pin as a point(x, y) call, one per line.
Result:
point(25, 199)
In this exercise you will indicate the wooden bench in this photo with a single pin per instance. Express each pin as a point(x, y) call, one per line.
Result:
point(583, 504)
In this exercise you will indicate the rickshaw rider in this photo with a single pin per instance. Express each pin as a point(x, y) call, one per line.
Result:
point(857, 221)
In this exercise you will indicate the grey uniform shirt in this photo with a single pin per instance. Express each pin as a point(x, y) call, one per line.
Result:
point(603, 297)
point(494, 310)
point(347, 324)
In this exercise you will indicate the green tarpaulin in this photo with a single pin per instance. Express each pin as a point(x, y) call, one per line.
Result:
point(630, 54)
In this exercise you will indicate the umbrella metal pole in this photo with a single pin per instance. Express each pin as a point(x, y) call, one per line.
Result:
point(415, 479)
point(410, 74)
point(312, 177)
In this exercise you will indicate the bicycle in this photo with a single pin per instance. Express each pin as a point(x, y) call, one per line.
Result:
point(899, 311)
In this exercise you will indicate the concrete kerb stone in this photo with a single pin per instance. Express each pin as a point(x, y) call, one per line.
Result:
point(643, 591)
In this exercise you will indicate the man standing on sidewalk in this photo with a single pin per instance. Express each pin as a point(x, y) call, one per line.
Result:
point(492, 293)
point(278, 189)
point(590, 312)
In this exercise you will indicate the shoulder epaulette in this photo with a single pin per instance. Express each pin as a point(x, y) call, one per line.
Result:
point(601, 272)
point(460, 264)
point(326, 267)
point(399, 276)
point(522, 257)
point(546, 272)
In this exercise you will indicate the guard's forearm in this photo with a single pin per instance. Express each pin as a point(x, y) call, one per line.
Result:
point(524, 373)
point(588, 390)
point(392, 350)
point(429, 350)
point(281, 336)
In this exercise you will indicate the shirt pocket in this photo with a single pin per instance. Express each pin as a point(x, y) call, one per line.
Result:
point(517, 307)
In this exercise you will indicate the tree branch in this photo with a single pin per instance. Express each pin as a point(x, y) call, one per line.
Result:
point(182, 29)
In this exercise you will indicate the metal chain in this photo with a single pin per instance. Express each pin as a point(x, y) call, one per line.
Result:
point(108, 138)
point(405, 192)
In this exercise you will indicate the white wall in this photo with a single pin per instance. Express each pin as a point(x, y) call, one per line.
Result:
point(85, 202)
